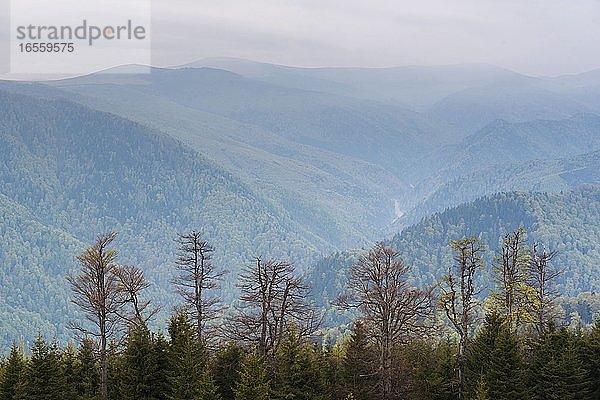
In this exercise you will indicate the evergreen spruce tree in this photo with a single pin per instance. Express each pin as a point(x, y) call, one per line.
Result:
point(44, 379)
point(296, 373)
point(481, 391)
point(227, 366)
point(87, 371)
point(113, 366)
point(208, 388)
point(11, 380)
point(557, 370)
point(69, 367)
point(135, 373)
point(590, 353)
point(188, 376)
point(359, 363)
point(160, 364)
point(253, 383)
point(333, 371)
point(505, 369)
point(479, 351)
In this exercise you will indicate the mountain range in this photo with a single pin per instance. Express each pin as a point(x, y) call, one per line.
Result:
point(288, 162)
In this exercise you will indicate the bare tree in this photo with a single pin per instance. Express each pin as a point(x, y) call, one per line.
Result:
point(197, 275)
point(132, 282)
point(542, 278)
point(273, 298)
point(391, 308)
point(512, 295)
point(96, 290)
point(459, 295)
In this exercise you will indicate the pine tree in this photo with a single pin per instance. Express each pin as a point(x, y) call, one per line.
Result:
point(358, 364)
point(505, 372)
point(69, 367)
point(87, 371)
point(253, 383)
point(296, 374)
point(13, 374)
point(226, 368)
point(44, 379)
point(135, 372)
point(160, 364)
point(188, 376)
point(590, 353)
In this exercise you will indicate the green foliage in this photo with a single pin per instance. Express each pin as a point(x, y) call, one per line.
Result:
point(426, 370)
point(253, 383)
point(188, 375)
point(143, 373)
point(226, 367)
point(565, 222)
point(298, 374)
point(359, 364)
point(44, 375)
point(495, 357)
point(558, 369)
point(13, 375)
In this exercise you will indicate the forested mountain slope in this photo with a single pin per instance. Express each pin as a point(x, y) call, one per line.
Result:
point(68, 173)
point(567, 222)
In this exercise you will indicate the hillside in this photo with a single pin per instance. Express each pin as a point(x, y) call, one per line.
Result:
point(69, 173)
point(567, 222)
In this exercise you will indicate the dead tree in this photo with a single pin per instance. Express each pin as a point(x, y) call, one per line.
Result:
point(132, 282)
point(273, 298)
point(96, 290)
point(542, 278)
point(391, 307)
point(458, 297)
point(197, 276)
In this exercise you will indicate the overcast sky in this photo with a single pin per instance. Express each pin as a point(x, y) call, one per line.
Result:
point(536, 37)
point(539, 37)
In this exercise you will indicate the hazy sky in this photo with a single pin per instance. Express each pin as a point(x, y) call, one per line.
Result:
point(530, 36)
point(537, 37)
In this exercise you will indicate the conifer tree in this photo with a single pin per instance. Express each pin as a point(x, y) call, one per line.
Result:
point(136, 369)
point(44, 379)
point(160, 364)
point(359, 364)
point(253, 383)
point(11, 380)
point(87, 371)
point(481, 392)
point(479, 350)
point(188, 376)
point(296, 374)
point(590, 353)
point(113, 368)
point(69, 367)
point(227, 366)
point(505, 368)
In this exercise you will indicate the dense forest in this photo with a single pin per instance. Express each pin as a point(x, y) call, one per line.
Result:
point(442, 341)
